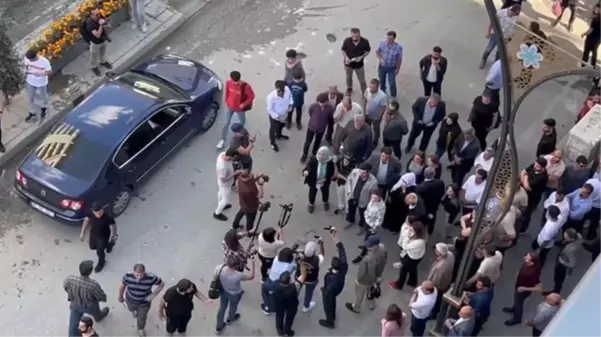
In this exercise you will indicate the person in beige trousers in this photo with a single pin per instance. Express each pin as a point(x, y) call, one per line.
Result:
point(370, 272)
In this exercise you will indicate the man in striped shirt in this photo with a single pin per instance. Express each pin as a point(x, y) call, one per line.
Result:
point(136, 291)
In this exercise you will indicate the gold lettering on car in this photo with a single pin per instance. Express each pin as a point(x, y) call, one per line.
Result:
point(56, 145)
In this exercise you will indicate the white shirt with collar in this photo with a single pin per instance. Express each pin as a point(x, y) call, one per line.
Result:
point(382, 172)
point(473, 191)
point(277, 107)
point(546, 236)
point(423, 305)
point(564, 207)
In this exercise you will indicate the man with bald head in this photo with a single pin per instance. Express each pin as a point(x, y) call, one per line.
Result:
point(462, 326)
point(334, 96)
point(431, 191)
point(421, 304)
point(545, 313)
point(343, 116)
point(357, 138)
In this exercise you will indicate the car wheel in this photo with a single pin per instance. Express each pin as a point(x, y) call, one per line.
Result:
point(209, 117)
point(120, 203)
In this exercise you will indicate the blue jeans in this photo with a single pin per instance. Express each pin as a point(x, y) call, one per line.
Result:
point(418, 326)
point(76, 312)
point(228, 120)
point(226, 299)
point(267, 291)
point(490, 46)
point(309, 289)
point(390, 72)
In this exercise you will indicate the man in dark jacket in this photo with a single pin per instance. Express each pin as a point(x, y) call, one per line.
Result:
point(333, 282)
point(321, 120)
point(432, 69)
point(483, 115)
point(575, 175)
point(286, 301)
point(447, 135)
point(386, 169)
point(427, 113)
point(548, 139)
point(431, 191)
point(334, 96)
point(357, 139)
point(465, 150)
point(395, 127)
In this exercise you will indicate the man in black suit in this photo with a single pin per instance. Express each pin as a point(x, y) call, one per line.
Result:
point(432, 68)
point(386, 168)
point(427, 113)
point(431, 191)
point(464, 154)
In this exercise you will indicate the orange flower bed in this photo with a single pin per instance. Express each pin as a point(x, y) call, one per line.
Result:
point(64, 32)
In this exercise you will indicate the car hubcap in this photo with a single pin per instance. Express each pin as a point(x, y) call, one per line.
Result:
point(121, 202)
point(209, 118)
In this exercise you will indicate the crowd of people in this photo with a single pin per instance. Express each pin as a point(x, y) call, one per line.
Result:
point(379, 196)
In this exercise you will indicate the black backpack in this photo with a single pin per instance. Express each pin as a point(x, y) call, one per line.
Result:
point(83, 30)
point(215, 285)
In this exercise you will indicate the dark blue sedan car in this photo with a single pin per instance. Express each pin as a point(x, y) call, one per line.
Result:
point(113, 139)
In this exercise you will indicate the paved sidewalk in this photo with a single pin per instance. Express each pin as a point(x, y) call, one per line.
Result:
point(76, 80)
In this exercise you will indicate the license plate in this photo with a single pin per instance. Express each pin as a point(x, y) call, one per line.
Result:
point(42, 209)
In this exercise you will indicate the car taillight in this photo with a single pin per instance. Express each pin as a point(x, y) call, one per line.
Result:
point(21, 178)
point(72, 204)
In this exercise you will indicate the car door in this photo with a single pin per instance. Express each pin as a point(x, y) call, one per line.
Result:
point(176, 126)
point(137, 154)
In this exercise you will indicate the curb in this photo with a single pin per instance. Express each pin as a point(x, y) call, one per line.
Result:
point(52, 119)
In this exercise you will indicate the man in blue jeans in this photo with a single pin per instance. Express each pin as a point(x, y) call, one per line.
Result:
point(231, 292)
point(390, 55)
point(508, 18)
point(84, 295)
point(238, 97)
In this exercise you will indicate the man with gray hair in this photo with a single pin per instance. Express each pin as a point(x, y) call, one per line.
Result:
point(427, 113)
point(343, 115)
point(357, 139)
point(441, 274)
point(464, 152)
point(545, 313)
point(431, 191)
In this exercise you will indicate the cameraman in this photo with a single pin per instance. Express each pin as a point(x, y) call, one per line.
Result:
point(333, 282)
point(284, 262)
point(250, 190)
point(313, 259)
point(233, 249)
point(270, 242)
point(243, 144)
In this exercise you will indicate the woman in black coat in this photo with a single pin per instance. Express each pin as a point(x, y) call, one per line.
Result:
point(449, 131)
point(319, 173)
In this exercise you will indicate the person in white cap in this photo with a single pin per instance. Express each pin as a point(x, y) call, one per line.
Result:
point(313, 256)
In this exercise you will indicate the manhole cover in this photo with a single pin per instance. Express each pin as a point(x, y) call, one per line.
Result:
point(331, 38)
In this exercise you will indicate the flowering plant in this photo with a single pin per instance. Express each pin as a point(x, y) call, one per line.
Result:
point(64, 32)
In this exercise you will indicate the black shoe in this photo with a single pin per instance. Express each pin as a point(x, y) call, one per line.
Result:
point(236, 317)
point(289, 333)
point(109, 249)
point(99, 267)
point(338, 211)
point(326, 206)
point(303, 158)
point(106, 65)
point(2, 148)
point(42, 114)
point(103, 313)
point(326, 324)
point(219, 330)
point(220, 217)
point(96, 71)
point(349, 91)
point(508, 310)
point(283, 137)
point(280, 332)
point(350, 307)
point(30, 117)
point(228, 206)
point(311, 208)
point(512, 322)
point(275, 147)
point(299, 126)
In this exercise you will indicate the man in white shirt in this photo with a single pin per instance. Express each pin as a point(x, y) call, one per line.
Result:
point(472, 191)
point(490, 266)
point(558, 199)
point(508, 18)
point(225, 180)
point(421, 304)
point(545, 240)
point(37, 69)
point(279, 103)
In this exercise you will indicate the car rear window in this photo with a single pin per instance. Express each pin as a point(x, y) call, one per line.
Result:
point(149, 86)
point(69, 151)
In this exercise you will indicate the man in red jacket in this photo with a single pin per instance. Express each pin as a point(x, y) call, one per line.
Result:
point(239, 97)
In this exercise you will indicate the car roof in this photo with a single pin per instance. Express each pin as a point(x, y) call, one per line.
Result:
point(111, 112)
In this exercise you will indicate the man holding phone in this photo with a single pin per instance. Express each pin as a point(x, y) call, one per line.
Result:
point(333, 281)
point(95, 33)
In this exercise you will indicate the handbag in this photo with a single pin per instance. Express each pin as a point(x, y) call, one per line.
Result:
point(556, 8)
point(215, 285)
point(243, 96)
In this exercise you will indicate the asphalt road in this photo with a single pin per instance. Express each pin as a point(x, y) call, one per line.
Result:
point(169, 225)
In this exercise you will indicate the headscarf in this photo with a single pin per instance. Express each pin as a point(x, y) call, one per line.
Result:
point(322, 164)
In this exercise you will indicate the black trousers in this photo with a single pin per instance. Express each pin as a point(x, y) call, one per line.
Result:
point(325, 193)
point(312, 137)
point(593, 216)
point(351, 212)
point(266, 264)
point(329, 306)
point(542, 253)
point(481, 133)
point(425, 131)
point(177, 322)
point(299, 113)
point(533, 201)
point(284, 318)
point(395, 145)
point(578, 225)
point(478, 324)
point(408, 272)
point(458, 173)
point(438, 303)
point(518, 303)
point(590, 48)
point(249, 216)
point(567, 5)
point(559, 276)
point(430, 87)
point(275, 130)
point(535, 332)
point(101, 246)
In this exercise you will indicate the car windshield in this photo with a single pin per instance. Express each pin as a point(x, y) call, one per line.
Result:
point(70, 152)
point(146, 84)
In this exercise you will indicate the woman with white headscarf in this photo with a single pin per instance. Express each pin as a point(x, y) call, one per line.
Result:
point(319, 173)
point(396, 209)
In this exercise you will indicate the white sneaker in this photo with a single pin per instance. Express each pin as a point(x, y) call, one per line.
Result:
point(311, 307)
point(134, 26)
point(220, 144)
point(144, 28)
point(397, 265)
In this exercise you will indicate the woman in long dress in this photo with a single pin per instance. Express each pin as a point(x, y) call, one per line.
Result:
point(396, 209)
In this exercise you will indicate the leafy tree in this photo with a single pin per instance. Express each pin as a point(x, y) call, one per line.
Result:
point(11, 74)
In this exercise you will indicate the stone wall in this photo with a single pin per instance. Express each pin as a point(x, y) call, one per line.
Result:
point(585, 137)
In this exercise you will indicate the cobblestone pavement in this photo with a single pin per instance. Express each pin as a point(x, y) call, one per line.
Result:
point(169, 226)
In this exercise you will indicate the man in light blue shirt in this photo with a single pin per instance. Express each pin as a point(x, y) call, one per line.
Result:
point(581, 202)
point(375, 106)
point(390, 55)
point(494, 81)
point(594, 214)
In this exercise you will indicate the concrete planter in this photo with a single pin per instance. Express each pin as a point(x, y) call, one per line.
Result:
point(73, 52)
